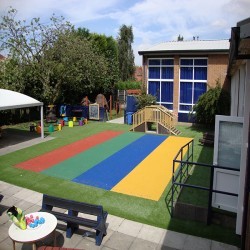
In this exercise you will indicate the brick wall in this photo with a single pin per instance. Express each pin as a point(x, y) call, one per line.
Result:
point(217, 69)
point(138, 73)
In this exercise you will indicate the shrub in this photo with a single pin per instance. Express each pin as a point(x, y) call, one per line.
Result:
point(215, 101)
point(145, 100)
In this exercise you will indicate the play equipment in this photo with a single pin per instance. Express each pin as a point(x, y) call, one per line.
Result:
point(71, 124)
point(38, 129)
point(163, 119)
point(61, 122)
point(51, 128)
point(51, 113)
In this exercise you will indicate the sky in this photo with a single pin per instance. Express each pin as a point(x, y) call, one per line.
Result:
point(153, 21)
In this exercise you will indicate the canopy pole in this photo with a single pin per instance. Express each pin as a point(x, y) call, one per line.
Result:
point(42, 127)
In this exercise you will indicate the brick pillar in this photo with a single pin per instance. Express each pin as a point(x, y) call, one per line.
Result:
point(176, 84)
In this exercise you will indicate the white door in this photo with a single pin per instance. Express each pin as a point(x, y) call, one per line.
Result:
point(227, 153)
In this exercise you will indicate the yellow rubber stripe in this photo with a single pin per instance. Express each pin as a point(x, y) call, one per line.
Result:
point(150, 178)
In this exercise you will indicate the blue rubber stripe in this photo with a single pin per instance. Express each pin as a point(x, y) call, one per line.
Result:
point(109, 172)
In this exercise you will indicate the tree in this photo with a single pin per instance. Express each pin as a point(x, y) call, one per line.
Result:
point(106, 46)
point(215, 101)
point(78, 69)
point(26, 45)
point(125, 52)
point(55, 63)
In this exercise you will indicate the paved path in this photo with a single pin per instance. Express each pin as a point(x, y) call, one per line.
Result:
point(122, 234)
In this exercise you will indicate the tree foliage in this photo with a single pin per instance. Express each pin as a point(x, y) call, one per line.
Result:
point(126, 55)
point(53, 62)
point(215, 101)
point(128, 85)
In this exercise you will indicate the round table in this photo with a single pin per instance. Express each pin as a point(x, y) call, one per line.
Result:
point(32, 235)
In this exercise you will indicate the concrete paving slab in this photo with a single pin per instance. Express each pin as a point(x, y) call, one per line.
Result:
point(140, 244)
point(10, 190)
point(131, 228)
point(154, 234)
point(114, 222)
point(215, 245)
point(173, 239)
point(119, 241)
point(200, 243)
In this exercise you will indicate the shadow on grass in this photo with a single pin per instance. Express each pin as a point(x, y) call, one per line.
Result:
point(13, 136)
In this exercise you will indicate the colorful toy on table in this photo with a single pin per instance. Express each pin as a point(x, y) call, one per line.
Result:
point(17, 216)
point(33, 222)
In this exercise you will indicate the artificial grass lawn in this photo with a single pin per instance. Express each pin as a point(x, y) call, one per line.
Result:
point(133, 208)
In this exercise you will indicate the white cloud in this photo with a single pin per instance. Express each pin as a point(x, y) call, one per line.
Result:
point(153, 21)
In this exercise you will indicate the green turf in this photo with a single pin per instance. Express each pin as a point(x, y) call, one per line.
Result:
point(137, 209)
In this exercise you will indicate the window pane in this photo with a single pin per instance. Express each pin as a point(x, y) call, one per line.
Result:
point(199, 89)
point(167, 92)
point(168, 106)
point(167, 62)
point(154, 89)
point(154, 61)
point(186, 92)
point(186, 73)
point(200, 62)
point(230, 141)
point(154, 73)
point(186, 61)
point(200, 73)
point(167, 73)
point(185, 107)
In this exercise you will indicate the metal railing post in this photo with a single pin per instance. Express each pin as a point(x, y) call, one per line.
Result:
point(209, 209)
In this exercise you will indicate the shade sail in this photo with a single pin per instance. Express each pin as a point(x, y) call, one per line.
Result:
point(14, 100)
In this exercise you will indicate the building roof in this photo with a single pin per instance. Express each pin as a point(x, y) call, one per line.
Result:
point(13, 100)
point(189, 46)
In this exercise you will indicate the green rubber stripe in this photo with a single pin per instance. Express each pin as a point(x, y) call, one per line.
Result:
point(80, 163)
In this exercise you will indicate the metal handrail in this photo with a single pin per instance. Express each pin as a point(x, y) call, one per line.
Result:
point(179, 174)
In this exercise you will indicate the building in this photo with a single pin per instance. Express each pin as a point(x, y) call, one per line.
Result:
point(177, 73)
point(138, 73)
point(239, 75)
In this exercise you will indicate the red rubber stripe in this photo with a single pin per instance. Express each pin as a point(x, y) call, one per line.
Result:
point(56, 156)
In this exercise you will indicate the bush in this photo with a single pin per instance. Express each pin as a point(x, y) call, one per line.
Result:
point(145, 100)
point(128, 85)
point(215, 101)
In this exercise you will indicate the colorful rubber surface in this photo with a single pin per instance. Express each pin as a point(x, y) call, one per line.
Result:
point(130, 163)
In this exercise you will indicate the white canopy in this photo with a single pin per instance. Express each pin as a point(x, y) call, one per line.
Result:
point(14, 100)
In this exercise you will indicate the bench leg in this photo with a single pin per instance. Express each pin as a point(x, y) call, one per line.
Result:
point(70, 230)
point(98, 238)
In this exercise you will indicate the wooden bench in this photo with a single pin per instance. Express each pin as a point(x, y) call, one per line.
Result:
point(73, 220)
point(207, 139)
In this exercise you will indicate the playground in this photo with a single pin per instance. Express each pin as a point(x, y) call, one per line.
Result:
point(135, 164)
point(87, 151)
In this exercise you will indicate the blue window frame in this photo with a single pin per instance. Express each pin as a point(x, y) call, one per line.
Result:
point(161, 80)
point(154, 89)
point(154, 73)
point(193, 82)
point(167, 73)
